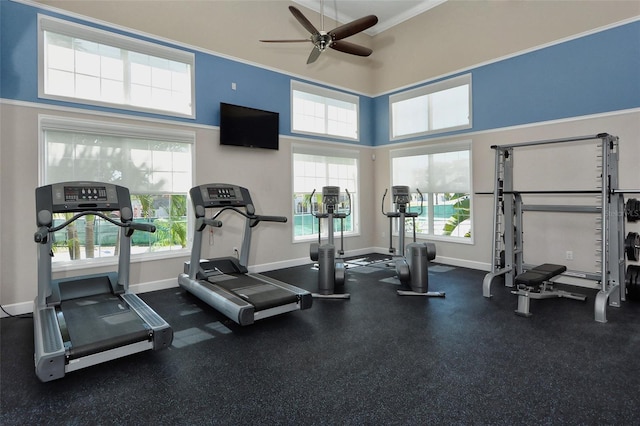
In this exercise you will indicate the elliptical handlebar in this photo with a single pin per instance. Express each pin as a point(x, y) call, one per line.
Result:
point(421, 201)
point(349, 197)
point(383, 197)
point(314, 214)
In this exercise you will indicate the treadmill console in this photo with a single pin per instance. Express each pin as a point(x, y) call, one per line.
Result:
point(220, 195)
point(85, 193)
point(82, 196)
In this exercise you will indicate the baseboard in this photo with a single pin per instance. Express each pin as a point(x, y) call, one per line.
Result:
point(299, 262)
point(256, 269)
point(27, 307)
point(21, 308)
point(481, 266)
point(154, 285)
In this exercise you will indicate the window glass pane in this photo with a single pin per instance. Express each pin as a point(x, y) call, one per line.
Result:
point(157, 173)
point(439, 106)
point(87, 238)
point(450, 107)
point(313, 172)
point(315, 110)
point(93, 237)
point(410, 116)
point(85, 68)
point(60, 52)
point(452, 214)
point(87, 58)
point(61, 82)
point(444, 180)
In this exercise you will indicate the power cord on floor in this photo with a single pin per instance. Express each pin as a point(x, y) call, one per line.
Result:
point(21, 316)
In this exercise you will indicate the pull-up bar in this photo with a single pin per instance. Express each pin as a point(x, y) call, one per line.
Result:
point(550, 141)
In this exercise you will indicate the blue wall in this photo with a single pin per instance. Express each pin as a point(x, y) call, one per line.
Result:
point(256, 87)
point(593, 74)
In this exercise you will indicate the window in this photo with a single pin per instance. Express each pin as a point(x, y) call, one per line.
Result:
point(319, 111)
point(441, 106)
point(313, 170)
point(154, 164)
point(79, 63)
point(443, 174)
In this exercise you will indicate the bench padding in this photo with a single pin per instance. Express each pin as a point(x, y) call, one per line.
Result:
point(540, 274)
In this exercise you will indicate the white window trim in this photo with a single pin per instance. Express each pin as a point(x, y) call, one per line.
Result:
point(329, 93)
point(335, 152)
point(427, 90)
point(72, 29)
point(50, 122)
point(435, 149)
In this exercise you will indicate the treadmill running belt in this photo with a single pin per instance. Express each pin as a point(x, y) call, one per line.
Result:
point(101, 322)
point(260, 294)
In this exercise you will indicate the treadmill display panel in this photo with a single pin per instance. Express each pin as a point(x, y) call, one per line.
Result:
point(221, 193)
point(79, 193)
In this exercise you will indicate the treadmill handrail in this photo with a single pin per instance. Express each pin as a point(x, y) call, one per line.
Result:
point(255, 218)
point(137, 226)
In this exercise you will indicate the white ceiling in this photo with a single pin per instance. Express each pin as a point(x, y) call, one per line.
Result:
point(389, 12)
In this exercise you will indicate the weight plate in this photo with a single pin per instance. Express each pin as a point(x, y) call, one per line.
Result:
point(632, 246)
point(632, 282)
point(633, 210)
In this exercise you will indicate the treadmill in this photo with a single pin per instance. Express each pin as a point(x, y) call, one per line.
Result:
point(225, 283)
point(86, 320)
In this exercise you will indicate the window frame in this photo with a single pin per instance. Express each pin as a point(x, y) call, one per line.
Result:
point(326, 93)
point(130, 44)
point(48, 122)
point(439, 148)
point(428, 90)
point(355, 204)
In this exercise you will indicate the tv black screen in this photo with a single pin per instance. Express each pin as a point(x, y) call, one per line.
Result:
point(244, 126)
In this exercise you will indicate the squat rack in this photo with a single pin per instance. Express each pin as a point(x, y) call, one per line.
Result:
point(507, 259)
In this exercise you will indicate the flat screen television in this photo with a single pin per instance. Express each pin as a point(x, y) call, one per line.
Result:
point(244, 126)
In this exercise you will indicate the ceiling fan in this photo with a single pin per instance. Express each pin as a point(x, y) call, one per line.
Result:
point(331, 39)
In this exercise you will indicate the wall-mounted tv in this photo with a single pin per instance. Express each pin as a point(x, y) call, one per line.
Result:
point(244, 126)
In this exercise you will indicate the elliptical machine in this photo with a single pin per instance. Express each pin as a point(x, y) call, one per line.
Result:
point(331, 268)
point(412, 269)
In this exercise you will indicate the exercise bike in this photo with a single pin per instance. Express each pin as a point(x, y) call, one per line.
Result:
point(331, 268)
point(412, 268)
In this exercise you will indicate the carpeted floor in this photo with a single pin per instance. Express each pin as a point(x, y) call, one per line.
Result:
point(374, 359)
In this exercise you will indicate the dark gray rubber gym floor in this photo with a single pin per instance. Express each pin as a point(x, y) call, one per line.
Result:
point(374, 359)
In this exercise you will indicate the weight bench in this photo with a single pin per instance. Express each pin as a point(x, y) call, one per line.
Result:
point(537, 283)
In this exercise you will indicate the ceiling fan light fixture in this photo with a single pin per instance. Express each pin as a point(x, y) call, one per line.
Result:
point(333, 39)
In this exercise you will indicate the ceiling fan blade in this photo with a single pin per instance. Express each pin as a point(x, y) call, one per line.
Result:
point(353, 49)
point(303, 20)
point(286, 41)
point(353, 27)
point(315, 54)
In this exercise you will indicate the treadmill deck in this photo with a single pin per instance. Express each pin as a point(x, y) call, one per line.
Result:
point(261, 294)
point(97, 323)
